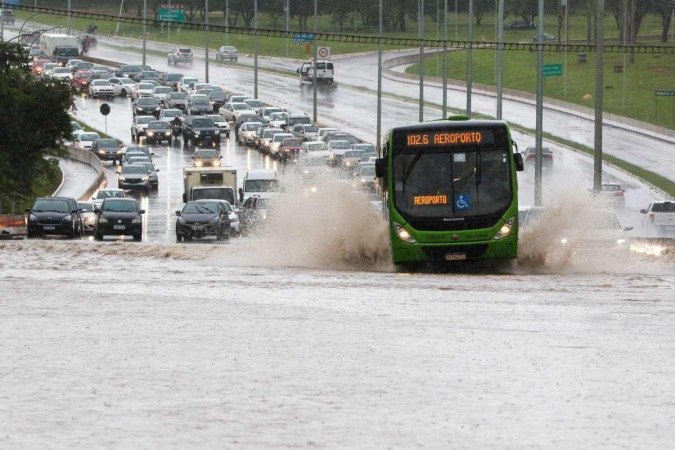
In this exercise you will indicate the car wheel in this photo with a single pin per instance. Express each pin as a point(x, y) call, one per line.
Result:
point(187, 238)
point(137, 237)
point(179, 238)
point(30, 235)
point(123, 93)
point(138, 139)
point(98, 236)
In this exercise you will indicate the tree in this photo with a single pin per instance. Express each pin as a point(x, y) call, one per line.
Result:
point(33, 122)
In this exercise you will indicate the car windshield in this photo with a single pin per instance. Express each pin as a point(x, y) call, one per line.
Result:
point(367, 171)
point(159, 125)
point(253, 103)
point(132, 69)
point(292, 142)
point(143, 120)
point(86, 206)
point(88, 136)
point(133, 170)
point(145, 86)
point(611, 187)
point(163, 89)
point(173, 113)
point(106, 143)
point(353, 154)
point(316, 147)
point(261, 185)
point(206, 154)
point(216, 118)
point(201, 208)
point(185, 50)
point(200, 101)
point(43, 205)
point(310, 129)
point(240, 106)
point(216, 95)
point(178, 96)
point(61, 70)
point(203, 122)
point(280, 137)
point(173, 77)
point(340, 144)
point(147, 101)
point(278, 116)
point(127, 81)
point(107, 194)
point(114, 205)
point(101, 83)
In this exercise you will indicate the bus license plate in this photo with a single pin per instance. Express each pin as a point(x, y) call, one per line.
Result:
point(455, 256)
point(119, 227)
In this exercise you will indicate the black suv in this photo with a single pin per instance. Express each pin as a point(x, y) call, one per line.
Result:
point(200, 130)
point(146, 106)
point(108, 149)
point(119, 217)
point(54, 216)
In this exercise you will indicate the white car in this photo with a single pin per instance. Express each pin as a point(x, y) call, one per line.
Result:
point(162, 93)
point(278, 119)
point(254, 103)
point(184, 84)
point(221, 123)
point(122, 85)
point(314, 149)
point(61, 73)
point(85, 140)
point(142, 90)
point(232, 111)
point(102, 194)
point(276, 141)
point(247, 132)
point(265, 111)
point(101, 88)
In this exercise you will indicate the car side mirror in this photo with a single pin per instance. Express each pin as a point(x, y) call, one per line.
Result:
point(627, 228)
point(520, 164)
point(27, 210)
point(142, 211)
point(97, 210)
point(643, 211)
point(380, 167)
point(178, 212)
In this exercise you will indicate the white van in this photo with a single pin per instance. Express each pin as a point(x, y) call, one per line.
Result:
point(262, 182)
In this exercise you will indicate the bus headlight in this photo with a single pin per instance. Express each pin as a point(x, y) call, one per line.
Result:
point(403, 234)
point(505, 230)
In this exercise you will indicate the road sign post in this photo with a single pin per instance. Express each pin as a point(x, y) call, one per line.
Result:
point(552, 70)
point(663, 93)
point(105, 110)
point(323, 52)
point(168, 13)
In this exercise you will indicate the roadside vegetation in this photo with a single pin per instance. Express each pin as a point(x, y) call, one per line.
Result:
point(33, 122)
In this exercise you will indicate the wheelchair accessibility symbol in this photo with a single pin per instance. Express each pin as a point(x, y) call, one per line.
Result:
point(463, 201)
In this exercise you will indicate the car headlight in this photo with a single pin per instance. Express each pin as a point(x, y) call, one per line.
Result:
point(198, 163)
point(563, 240)
point(120, 151)
point(215, 220)
point(403, 234)
point(136, 220)
point(101, 152)
point(621, 241)
point(181, 221)
point(167, 133)
point(145, 178)
point(32, 218)
point(102, 220)
point(122, 178)
point(505, 230)
point(150, 133)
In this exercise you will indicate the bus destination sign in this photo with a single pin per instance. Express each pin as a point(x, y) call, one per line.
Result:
point(442, 138)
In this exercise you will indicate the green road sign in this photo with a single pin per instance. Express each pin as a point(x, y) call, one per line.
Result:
point(171, 14)
point(659, 93)
point(552, 70)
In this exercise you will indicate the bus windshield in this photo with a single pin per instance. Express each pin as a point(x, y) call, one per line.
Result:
point(452, 182)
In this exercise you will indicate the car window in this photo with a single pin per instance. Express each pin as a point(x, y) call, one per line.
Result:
point(664, 207)
point(133, 170)
point(42, 205)
point(114, 205)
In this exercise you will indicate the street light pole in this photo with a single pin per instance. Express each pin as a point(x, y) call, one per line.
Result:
point(145, 7)
point(420, 21)
point(255, 56)
point(315, 114)
point(2, 22)
point(599, 81)
point(379, 82)
point(206, 40)
point(288, 5)
point(538, 138)
point(469, 62)
point(500, 57)
point(69, 16)
point(445, 59)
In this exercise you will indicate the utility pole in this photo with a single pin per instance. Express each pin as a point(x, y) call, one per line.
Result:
point(255, 57)
point(315, 114)
point(420, 20)
point(469, 62)
point(445, 59)
point(500, 57)
point(538, 136)
point(69, 16)
point(599, 59)
point(206, 40)
point(379, 82)
point(145, 34)
point(2, 22)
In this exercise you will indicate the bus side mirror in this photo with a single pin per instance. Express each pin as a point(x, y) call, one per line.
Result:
point(520, 165)
point(380, 167)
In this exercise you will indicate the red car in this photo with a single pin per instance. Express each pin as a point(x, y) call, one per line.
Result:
point(289, 148)
point(81, 80)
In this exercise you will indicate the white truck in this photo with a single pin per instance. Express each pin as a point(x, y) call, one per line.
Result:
point(60, 47)
point(217, 183)
point(261, 182)
point(660, 215)
point(324, 72)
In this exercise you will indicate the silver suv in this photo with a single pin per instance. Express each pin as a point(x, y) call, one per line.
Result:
point(227, 52)
point(179, 55)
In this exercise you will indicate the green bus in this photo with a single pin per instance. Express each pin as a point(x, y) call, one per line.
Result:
point(451, 191)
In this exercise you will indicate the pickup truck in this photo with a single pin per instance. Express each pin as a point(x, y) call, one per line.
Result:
point(659, 215)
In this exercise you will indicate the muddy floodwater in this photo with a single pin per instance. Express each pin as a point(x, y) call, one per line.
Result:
point(305, 336)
